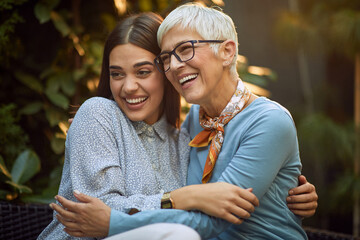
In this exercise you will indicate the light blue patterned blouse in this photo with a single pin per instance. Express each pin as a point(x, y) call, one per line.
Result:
point(126, 164)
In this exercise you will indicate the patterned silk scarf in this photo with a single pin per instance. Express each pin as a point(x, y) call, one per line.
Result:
point(214, 128)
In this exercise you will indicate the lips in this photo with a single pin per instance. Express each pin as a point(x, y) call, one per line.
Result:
point(187, 78)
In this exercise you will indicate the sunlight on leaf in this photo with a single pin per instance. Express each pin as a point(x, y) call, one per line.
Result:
point(3, 168)
point(25, 167)
point(42, 12)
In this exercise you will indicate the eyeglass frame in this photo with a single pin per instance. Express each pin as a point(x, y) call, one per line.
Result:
point(157, 59)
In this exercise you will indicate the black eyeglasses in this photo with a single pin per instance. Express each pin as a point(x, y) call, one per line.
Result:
point(183, 52)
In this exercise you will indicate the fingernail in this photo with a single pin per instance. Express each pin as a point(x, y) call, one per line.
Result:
point(291, 192)
point(77, 192)
point(288, 199)
point(51, 206)
point(56, 197)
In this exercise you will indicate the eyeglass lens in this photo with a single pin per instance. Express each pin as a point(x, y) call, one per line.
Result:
point(183, 52)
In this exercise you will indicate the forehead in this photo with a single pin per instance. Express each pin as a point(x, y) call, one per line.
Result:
point(177, 35)
point(129, 53)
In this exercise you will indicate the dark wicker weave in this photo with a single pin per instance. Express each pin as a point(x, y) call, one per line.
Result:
point(23, 221)
point(319, 234)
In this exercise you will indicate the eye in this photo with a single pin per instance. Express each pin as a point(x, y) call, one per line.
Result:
point(164, 58)
point(143, 72)
point(184, 48)
point(117, 75)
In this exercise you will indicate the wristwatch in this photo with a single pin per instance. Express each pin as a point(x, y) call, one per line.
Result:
point(166, 201)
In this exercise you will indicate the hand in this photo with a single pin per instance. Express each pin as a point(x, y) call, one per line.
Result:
point(220, 199)
point(70, 120)
point(89, 218)
point(302, 200)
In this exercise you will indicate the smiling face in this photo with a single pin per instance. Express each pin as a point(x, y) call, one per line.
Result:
point(200, 79)
point(135, 83)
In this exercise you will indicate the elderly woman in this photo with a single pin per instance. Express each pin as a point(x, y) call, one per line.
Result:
point(237, 138)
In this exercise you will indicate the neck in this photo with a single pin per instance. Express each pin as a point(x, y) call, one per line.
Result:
point(224, 91)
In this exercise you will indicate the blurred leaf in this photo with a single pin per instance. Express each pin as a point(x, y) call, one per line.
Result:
point(345, 30)
point(25, 167)
point(58, 145)
point(67, 84)
point(47, 72)
point(53, 116)
point(3, 168)
point(46, 197)
point(60, 24)
point(31, 108)
point(78, 74)
point(42, 12)
point(58, 99)
point(30, 81)
point(53, 84)
point(19, 187)
point(145, 5)
point(254, 79)
point(52, 3)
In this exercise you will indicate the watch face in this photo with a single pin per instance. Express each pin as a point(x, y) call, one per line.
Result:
point(166, 204)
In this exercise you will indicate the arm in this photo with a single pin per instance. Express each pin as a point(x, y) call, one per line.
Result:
point(222, 200)
point(209, 226)
point(94, 157)
point(302, 200)
point(91, 217)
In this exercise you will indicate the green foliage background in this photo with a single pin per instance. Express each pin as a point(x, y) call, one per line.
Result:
point(50, 59)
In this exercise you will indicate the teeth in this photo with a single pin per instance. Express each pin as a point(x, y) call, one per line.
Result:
point(187, 78)
point(135, 100)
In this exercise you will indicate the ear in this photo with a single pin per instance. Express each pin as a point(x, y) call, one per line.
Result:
point(227, 53)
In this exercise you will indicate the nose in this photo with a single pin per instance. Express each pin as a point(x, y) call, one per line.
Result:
point(130, 84)
point(175, 63)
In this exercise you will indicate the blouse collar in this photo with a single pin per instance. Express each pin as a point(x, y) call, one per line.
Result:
point(160, 127)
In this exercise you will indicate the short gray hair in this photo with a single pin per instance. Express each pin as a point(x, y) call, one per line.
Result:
point(209, 23)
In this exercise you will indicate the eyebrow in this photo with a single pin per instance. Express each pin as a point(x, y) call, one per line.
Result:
point(143, 63)
point(115, 67)
point(135, 65)
point(175, 45)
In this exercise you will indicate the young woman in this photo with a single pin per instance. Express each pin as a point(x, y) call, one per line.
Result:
point(127, 70)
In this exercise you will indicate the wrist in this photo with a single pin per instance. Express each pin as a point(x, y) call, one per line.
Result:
point(166, 201)
point(184, 198)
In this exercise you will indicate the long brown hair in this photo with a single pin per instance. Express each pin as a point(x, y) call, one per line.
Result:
point(140, 30)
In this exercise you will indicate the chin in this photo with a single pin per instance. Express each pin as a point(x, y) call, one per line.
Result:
point(135, 118)
point(192, 99)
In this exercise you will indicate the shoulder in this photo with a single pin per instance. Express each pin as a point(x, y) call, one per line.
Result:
point(267, 110)
point(192, 117)
point(98, 104)
point(263, 116)
point(191, 123)
point(271, 118)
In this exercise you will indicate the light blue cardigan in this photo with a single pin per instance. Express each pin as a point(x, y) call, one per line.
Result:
point(260, 151)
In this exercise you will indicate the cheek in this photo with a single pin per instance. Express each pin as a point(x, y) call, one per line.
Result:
point(156, 88)
point(115, 87)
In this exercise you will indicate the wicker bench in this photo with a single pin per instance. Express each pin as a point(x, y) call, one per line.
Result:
point(26, 221)
point(23, 221)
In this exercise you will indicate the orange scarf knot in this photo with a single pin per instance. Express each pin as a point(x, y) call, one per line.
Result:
point(213, 132)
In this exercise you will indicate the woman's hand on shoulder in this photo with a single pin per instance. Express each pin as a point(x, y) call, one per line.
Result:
point(222, 200)
point(89, 218)
point(302, 200)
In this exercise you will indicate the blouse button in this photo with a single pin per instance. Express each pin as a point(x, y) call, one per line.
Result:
point(154, 167)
